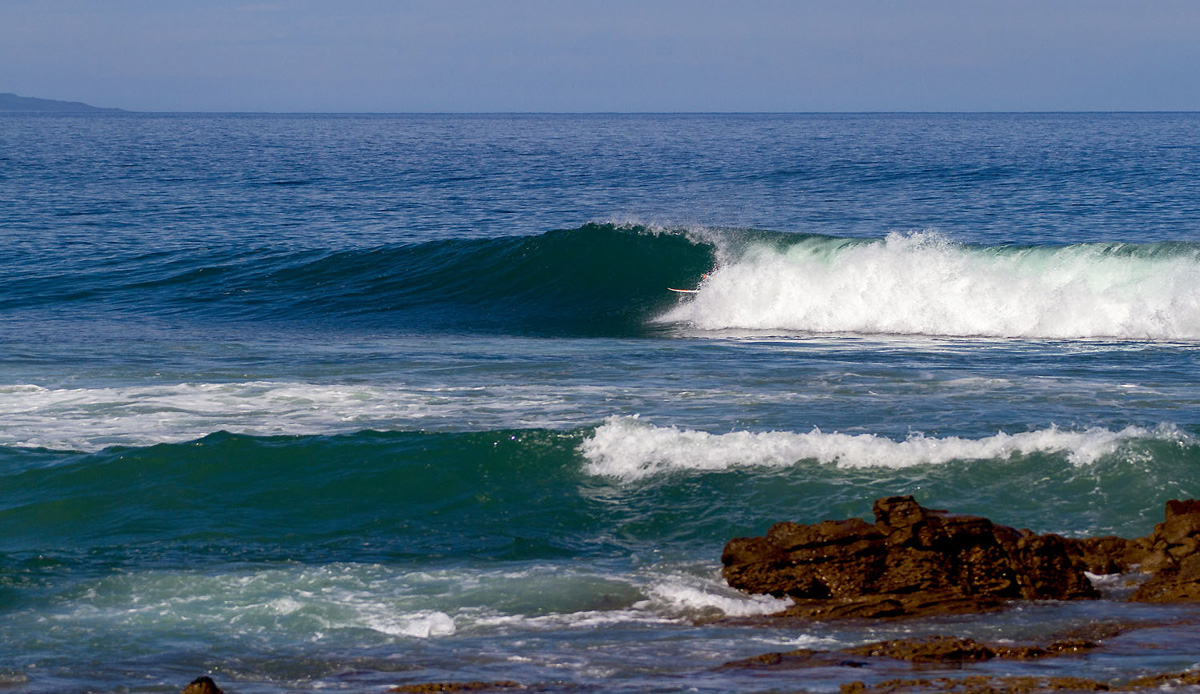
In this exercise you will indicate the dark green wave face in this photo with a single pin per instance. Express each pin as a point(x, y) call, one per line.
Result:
point(599, 279)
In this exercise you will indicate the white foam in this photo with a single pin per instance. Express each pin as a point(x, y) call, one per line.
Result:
point(421, 625)
point(686, 595)
point(923, 284)
point(340, 604)
point(88, 419)
point(628, 448)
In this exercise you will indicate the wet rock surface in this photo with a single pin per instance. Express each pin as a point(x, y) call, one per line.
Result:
point(202, 685)
point(910, 561)
point(1021, 684)
point(915, 561)
point(918, 651)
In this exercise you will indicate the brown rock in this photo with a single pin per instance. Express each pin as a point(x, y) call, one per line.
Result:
point(1173, 556)
point(202, 685)
point(983, 684)
point(1108, 554)
point(935, 649)
point(1178, 679)
point(794, 660)
point(912, 560)
point(930, 649)
point(979, 684)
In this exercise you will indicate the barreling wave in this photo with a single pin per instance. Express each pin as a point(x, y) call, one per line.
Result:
point(606, 279)
point(596, 279)
point(924, 284)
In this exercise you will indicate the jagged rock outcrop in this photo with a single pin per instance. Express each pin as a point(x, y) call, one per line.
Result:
point(916, 561)
point(1170, 555)
point(912, 560)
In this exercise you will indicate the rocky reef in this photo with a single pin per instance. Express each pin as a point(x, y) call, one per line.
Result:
point(915, 561)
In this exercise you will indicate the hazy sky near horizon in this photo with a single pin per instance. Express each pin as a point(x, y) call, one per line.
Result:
point(616, 55)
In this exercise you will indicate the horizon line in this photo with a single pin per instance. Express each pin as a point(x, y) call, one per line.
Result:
point(121, 111)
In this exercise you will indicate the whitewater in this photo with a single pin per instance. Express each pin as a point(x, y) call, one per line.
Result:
point(922, 283)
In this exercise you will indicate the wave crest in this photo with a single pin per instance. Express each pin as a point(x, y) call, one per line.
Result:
point(924, 284)
point(629, 449)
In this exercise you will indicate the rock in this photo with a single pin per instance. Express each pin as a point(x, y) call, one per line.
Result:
point(1171, 554)
point(202, 685)
point(935, 649)
point(978, 684)
point(987, 684)
point(1165, 681)
point(918, 651)
point(911, 561)
point(1107, 555)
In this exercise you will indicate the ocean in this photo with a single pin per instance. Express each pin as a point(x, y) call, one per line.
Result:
point(341, 402)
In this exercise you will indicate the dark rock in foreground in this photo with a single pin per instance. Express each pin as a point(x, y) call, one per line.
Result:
point(202, 685)
point(918, 561)
point(912, 560)
point(918, 651)
point(990, 684)
point(1169, 554)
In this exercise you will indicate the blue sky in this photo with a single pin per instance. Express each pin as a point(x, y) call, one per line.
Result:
point(605, 55)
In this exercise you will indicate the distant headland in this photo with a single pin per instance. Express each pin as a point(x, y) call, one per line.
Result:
point(26, 104)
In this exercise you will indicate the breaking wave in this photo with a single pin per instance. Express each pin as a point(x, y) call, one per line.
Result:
point(630, 449)
point(925, 284)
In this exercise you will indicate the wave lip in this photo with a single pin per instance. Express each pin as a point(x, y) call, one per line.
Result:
point(629, 449)
point(924, 284)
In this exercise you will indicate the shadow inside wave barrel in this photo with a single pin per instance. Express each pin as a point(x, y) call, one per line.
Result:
point(597, 280)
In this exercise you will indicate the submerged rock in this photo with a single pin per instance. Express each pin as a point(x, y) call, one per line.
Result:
point(911, 561)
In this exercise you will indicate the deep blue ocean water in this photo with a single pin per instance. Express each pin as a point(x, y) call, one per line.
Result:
point(338, 403)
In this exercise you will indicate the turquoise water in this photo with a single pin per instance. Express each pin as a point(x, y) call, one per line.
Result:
point(343, 402)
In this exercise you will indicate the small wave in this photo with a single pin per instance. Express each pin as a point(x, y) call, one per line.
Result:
point(630, 449)
point(924, 284)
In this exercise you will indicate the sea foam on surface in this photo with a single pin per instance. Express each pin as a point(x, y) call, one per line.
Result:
point(628, 448)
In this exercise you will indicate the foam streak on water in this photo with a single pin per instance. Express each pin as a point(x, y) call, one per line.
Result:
point(630, 449)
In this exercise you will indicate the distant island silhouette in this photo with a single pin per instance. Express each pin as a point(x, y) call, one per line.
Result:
point(26, 104)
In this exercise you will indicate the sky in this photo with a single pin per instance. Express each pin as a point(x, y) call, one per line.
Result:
point(605, 55)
